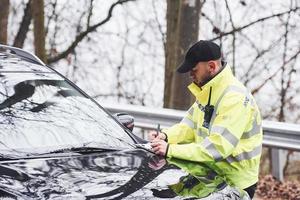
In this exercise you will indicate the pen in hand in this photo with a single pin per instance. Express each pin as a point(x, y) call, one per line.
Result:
point(157, 130)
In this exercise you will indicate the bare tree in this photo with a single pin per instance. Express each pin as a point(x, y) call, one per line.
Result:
point(180, 35)
point(243, 30)
point(39, 29)
point(4, 11)
point(83, 34)
point(24, 26)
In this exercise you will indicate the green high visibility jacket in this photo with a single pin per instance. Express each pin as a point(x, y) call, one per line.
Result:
point(200, 182)
point(231, 141)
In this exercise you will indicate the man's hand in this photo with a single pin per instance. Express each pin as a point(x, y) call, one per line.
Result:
point(159, 147)
point(152, 135)
point(156, 162)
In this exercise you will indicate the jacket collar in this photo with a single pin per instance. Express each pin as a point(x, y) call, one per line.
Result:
point(218, 84)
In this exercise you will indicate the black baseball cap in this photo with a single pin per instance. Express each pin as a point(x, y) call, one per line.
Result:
point(201, 51)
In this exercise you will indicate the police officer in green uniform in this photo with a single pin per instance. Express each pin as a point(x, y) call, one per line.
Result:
point(222, 129)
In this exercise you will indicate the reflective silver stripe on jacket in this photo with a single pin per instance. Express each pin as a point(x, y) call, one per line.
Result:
point(211, 175)
point(231, 138)
point(245, 155)
point(210, 147)
point(224, 132)
point(191, 111)
point(254, 131)
point(229, 89)
point(188, 122)
point(201, 133)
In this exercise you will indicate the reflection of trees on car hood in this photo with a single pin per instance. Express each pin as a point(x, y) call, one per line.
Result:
point(47, 111)
point(108, 175)
point(70, 177)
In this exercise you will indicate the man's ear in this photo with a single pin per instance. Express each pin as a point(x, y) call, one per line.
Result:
point(212, 67)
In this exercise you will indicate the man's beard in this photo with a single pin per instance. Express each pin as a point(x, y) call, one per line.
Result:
point(208, 78)
point(204, 81)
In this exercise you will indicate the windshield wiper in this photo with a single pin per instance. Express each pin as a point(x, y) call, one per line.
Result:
point(78, 150)
point(82, 150)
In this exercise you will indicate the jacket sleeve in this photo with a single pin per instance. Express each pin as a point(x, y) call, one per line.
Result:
point(232, 117)
point(182, 132)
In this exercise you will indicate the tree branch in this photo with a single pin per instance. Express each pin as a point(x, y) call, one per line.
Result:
point(274, 74)
point(233, 37)
point(24, 27)
point(82, 35)
point(260, 54)
point(222, 34)
point(90, 13)
point(160, 29)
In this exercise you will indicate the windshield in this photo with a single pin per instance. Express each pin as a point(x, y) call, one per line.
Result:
point(41, 112)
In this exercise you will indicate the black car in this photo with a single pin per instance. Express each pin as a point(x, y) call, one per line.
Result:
point(56, 142)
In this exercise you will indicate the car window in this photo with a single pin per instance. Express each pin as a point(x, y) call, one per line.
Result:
point(41, 111)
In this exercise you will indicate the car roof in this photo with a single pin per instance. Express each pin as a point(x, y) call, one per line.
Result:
point(17, 60)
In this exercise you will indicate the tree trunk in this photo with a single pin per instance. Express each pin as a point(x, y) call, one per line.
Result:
point(4, 11)
point(24, 26)
point(182, 32)
point(39, 29)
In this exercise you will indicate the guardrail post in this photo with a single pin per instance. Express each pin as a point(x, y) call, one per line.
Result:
point(278, 161)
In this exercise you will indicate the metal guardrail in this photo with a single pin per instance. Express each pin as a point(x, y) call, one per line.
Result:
point(277, 135)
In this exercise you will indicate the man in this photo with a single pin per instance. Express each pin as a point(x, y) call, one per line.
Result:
point(222, 128)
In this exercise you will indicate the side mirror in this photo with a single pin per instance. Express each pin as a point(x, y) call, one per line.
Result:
point(125, 119)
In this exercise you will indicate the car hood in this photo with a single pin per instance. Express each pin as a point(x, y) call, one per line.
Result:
point(131, 174)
